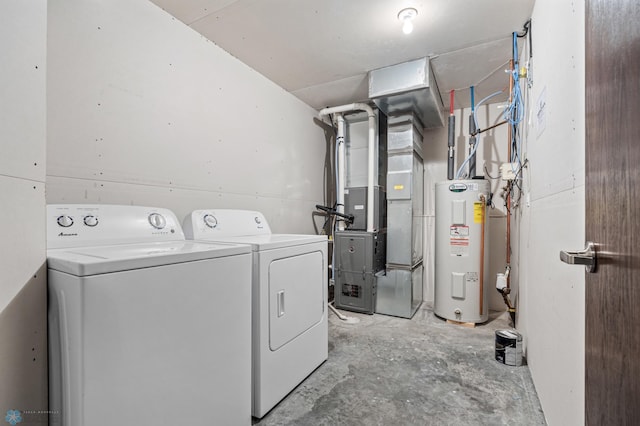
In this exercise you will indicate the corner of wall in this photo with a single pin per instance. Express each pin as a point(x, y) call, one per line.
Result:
point(23, 352)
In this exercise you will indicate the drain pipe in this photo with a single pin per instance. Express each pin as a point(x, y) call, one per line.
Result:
point(348, 320)
point(371, 148)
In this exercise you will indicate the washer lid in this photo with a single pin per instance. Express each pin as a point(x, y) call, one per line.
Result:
point(272, 241)
point(85, 261)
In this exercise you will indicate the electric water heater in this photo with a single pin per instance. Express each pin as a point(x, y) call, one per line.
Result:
point(462, 250)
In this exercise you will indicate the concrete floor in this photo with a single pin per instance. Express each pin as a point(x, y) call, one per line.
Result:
point(392, 371)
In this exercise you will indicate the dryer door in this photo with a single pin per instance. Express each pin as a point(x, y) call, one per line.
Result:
point(296, 296)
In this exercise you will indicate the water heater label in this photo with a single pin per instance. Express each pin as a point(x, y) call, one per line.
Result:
point(457, 231)
point(459, 240)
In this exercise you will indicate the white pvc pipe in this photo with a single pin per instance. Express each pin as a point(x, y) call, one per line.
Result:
point(346, 108)
point(349, 320)
point(371, 148)
point(370, 177)
point(341, 170)
point(338, 314)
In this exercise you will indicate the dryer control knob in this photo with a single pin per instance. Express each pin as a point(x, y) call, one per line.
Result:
point(90, 220)
point(210, 220)
point(157, 220)
point(65, 221)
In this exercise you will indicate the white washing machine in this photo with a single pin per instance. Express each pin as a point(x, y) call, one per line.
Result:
point(289, 297)
point(145, 328)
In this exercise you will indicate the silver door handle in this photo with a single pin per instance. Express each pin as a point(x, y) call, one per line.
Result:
point(280, 303)
point(587, 257)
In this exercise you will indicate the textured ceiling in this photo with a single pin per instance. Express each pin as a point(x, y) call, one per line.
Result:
point(321, 51)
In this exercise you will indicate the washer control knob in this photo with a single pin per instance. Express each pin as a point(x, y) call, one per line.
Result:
point(210, 220)
point(257, 219)
point(65, 221)
point(90, 220)
point(157, 220)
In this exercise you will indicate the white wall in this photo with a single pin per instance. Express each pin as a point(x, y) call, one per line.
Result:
point(23, 343)
point(142, 110)
point(492, 151)
point(551, 305)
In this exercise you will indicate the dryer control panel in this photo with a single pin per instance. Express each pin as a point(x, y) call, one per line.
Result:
point(81, 225)
point(209, 224)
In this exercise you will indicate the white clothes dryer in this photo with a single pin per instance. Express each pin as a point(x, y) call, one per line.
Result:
point(145, 328)
point(289, 298)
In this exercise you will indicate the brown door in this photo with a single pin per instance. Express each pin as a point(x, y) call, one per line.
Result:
point(612, 336)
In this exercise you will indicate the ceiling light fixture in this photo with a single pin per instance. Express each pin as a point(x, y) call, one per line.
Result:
point(406, 17)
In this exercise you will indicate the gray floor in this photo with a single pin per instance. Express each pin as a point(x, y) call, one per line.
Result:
point(392, 371)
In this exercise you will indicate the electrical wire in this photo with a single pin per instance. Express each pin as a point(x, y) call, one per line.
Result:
point(486, 173)
point(528, 31)
point(514, 114)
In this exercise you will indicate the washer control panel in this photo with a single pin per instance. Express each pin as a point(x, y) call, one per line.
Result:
point(78, 225)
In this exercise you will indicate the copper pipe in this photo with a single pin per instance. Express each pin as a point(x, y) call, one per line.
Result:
point(484, 208)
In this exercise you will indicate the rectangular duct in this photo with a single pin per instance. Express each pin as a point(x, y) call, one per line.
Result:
point(399, 289)
point(408, 87)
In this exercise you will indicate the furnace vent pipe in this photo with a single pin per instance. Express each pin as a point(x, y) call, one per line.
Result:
point(340, 169)
point(371, 147)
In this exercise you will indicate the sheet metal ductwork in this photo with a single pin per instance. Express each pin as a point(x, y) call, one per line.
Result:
point(408, 87)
